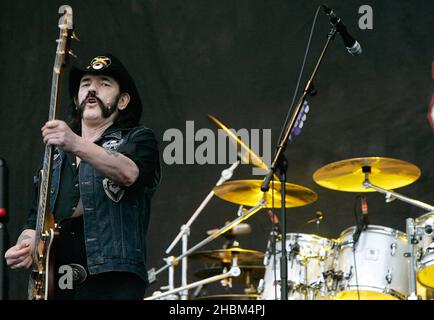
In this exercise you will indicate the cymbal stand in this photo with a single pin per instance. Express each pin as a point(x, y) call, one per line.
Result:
point(244, 215)
point(185, 229)
point(411, 254)
point(234, 271)
point(171, 283)
point(391, 195)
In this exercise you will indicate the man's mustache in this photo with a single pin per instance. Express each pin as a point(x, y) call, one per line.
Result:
point(89, 96)
point(106, 110)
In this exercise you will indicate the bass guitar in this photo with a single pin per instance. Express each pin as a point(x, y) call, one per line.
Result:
point(41, 283)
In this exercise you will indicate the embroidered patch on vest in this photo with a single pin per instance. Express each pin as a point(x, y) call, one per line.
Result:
point(112, 190)
point(112, 144)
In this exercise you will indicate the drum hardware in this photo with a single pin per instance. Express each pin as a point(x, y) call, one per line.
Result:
point(244, 256)
point(252, 159)
point(185, 229)
point(347, 277)
point(425, 249)
point(309, 258)
point(372, 174)
point(230, 297)
point(171, 262)
point(377, 269)
point(247, 192)
point(389, 276)
point(319, 217)
point(396, 195)
point(249, 273)
point(332, 279)
point(207, 240)
point(234, 271)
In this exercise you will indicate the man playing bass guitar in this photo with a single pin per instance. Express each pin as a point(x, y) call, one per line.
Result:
point(105, 170)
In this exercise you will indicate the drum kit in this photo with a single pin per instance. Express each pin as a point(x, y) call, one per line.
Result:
point(366, 262)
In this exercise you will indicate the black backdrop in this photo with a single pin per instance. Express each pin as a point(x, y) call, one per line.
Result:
point(239, 61)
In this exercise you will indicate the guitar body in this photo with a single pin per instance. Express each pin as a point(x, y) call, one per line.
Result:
point(42, 280)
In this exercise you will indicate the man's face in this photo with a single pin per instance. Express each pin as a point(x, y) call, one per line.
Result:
point(98, 97)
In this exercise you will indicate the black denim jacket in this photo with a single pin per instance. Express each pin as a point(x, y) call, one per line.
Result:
point(115, 218)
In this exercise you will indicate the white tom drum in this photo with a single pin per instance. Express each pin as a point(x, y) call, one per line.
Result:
point(377, 269)
point(309, 257)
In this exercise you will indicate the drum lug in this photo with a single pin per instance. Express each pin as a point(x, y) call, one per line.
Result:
point(389, 276)
point(261, 286)
point(393, 247)
point(349, 274)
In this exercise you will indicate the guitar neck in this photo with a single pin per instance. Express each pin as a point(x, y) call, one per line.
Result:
point(45, 174)
point(44, 192)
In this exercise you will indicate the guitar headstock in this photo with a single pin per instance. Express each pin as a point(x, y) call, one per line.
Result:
point(66, 34)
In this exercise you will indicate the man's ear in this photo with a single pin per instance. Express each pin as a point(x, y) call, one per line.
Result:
point(75, 99)
point(124, 100)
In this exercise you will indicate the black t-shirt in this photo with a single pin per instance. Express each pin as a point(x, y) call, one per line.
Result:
point(69, 192)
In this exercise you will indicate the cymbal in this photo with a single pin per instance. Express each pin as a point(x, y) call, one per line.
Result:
point(226, 255)
point(248, 193)
point(248, 273)
point(247, 155)
point(348, 175)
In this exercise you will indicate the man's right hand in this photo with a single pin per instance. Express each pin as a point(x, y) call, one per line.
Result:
point(20, 256)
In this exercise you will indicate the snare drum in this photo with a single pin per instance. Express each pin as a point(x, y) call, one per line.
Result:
point(377, 269)
point(309, 257)
point(425, 260)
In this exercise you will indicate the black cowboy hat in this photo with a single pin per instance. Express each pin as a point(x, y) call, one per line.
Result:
point(109, 65)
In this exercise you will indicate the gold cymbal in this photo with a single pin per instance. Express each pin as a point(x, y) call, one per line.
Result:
point(226, 255)
point(247, 155)
point(348, 175)
point(248, 193)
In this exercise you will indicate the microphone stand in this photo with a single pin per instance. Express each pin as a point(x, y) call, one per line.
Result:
point(281, 164)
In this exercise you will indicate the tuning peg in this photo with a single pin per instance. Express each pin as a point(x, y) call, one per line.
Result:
point(72, 54)
point(74, 36)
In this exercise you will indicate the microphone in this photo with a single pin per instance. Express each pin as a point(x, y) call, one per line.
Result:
point(352, 45)
point(364, 207)
point(361, 226)
point(274, 220)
